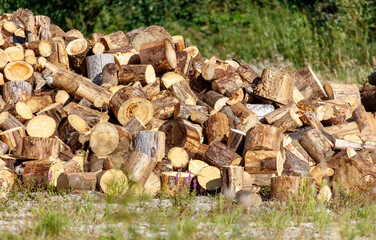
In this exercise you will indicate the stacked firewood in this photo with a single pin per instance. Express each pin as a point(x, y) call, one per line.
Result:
point(143, 108)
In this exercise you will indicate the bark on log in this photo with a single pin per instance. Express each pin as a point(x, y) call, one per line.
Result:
point(283, 187)
point(43, 172)
point(317, 145)
point(235, 139)
point(54, 111)
point(308, 84)
point(227, 84)
point(341, 91)
point(232, 179)
point(273, 116)
point(310, 119)
point(77, 51)
point(92, 117)
point(13, 138)
point(152, 143)
point(195, 166)
point(16, 91)
point(261, 161)
point(288, 122)
point(219, 155)
point(112, 182)
point(160, 54)
point(183, 92)
point(95, 65)
point(8, 121)
point(248, 118)
point(139, 166)
point(217, 128)
point(114, 40)
point(215, 69)
point(209, 178)
point(142, 73)
point(215, 100)
point(76, 181)
point(263, 137)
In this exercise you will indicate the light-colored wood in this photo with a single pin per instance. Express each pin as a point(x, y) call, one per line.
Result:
point(44, 172)
point(15, 53)
point(4, 59)
point(131, 73)
point(115, 40)
point(175, 182)
point(160, 54)
point(366, 123)
point(232, 179)
point(288, 122)
point(263, 137)
point(179, 158)
point(8, 121)
point(294, 165)
point(215, 100)
point(62, 97)
point(104, 139)
point(7, 181)
point(112, 182)
point(18, 71)
point(217, 127)
point(43, 26)
point(151, 143)
point(247, 117)
point(152, 185)
point(342, 91)
point(262, 161)
point(345, 153)
point(92, 117)
point(219, 155)
point(261, 109)
point(308, 84)
point(199, 117)
point(227, 84)
point(41, 48)
point(340, 131)
point(275, 86)
point(209, 178)
point(323, 110)
point(216, 68)
point(310, 119)
point(195, 166)
point(273, 116)
point(150, 34)
point(41, 126)
point(77, 51)
point(183, 92)
point(321, 171)
point(139, 166)
point(55, 111)
point(317, 145)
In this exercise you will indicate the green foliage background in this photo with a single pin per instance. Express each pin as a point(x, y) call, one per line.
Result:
point(337, 37)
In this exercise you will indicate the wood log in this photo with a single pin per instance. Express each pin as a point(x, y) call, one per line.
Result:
point(22, 112)
point(340, 144)
point(98, 48)
point(114, 40)
point(261, 161)
point(16, 91)
point(283, 187)
point(59, 55)
point(263, 137)
point(4, 59)
point(4, 148)
point(175, 182)
point(54, 111)
point(43, 172)
point(131, 73)
point(133, 126)
point(183, 92)
point(183, 62)
point(345, 153)
point(179, 158)
point(273, 116)
point(41, 48)
point(77, 51)
point(7, 181)
point(248, 118)
point(160, 54)
point(170, 78)
point(112, 182)
point(139, 167)
point(317, 145)
point(217, 128)
point(342, 91)
point(294, 165)
point(340, 131)
point(178, 42)
point(152, 143)
point(275, 86)
point(323, 110)
point(248, 74)
point(92, 117)
point(232, 179)
point(40, 148)
point(43, 26)
point(29, 57)
point(150, 34)
point(195, 166)
point(152, 185)
point(76, 164)
point(152, 89)
point(308, 84)
point(321, 171)
point(227, 84)
point(298, 151)
point(8, 28)
point(215, 68)
point(215, 100)
point(37, 103)
point(261, 110)
point(254, 182)
point(219, 155)
point(95, 65)
point(14, 138)
point(8, 121)
point(235, 139)
point(76, 181)
point(310, 119)
point(184, 111)
point(164, 107)
point(209, 178)
point(104, 139)
point(18, 71)
point(199, 117)
point(62, 97)
point(41, 126)
point(288, 122)
point(15, 53)
point(181, 134)
point(125, 55)
point(364, 121)
point(342, 112)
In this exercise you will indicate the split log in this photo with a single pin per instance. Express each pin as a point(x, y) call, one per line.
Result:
point(262, 161)
point(317, 145)
point(288, 122)
point(298, 151)
point(340, 144)
point(41, 48)
point(133, 126)
point(150, 34)
point(41, 126)
point(54, 111)
point(295, 166)
point(283, 187)
point(323, 110)
point(342, 112)
point(22, 112)
point(273, 116)
point(184, 111)
point(152, 89)
point(40, 148)
point(209, 178)
point(104, 139)
point(178, 42)
point(217, 128)
point(16, 91)
point(4, 148)
point(92, 117)
point(232, 179)
point(219, 155)
point(114, 40)
point(7, 181)
point(199, 117)
point(342, 91)
point(195, 166)
point(248, 118)
point(71, 35)
point(215, 100)
point(37, 103)
point(340, 131)
point(321, 171)
point(43, 26)
point(181, 134)
point(170, 78)
point(13, 138)
point(345, 153)
point(248, 74)
point(183, 92)
point(142, 73)
point(139, 166)
point(164, 107)
point(77, 51)
point(95, 65)
point(76, 164)
point(76, 181)
point(112, 182)
point(276, 86)
point(152, 185)
point(59, 55)
point(308, 84)
point(216, 68)
point(179, 158)
point(263, 137)
point(235, 139)
point(310, 119)
point(160, 54)
point(227, 84)
point(43, 172)
point(8, 28)
point(254, 182)
point(152, 143)
point(29, 57)
point(183, 62)
point(8, 121)
point(15, 53)
point(125, 55)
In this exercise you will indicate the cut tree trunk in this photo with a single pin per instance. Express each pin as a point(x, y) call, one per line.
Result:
point(283, 187)
point(275, 115)
point(179, 158)
point(132, 73)
point(261, 161)
point(112, 182)
point(317, 145)
point(16, 91)
point(183, 92)
point(95, 65)
point(289, 122)
point(92, 117)
point(215, 69)
point(77, 51)
point(263, 137)
point(160, 54)
point(41, 126)
point(43, 172)
point(76, 181)
point(115, 40)
point(152, 143)
point(235, 139)
point(342, 91)
point(308, 84)
point(232, 179)
point(219, 155)
point(104, 139)
point(13, 138)
point(215, 100)
point(139, 166)
point(217, 128)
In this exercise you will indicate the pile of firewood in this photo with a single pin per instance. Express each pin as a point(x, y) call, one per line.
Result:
point(142, 107)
